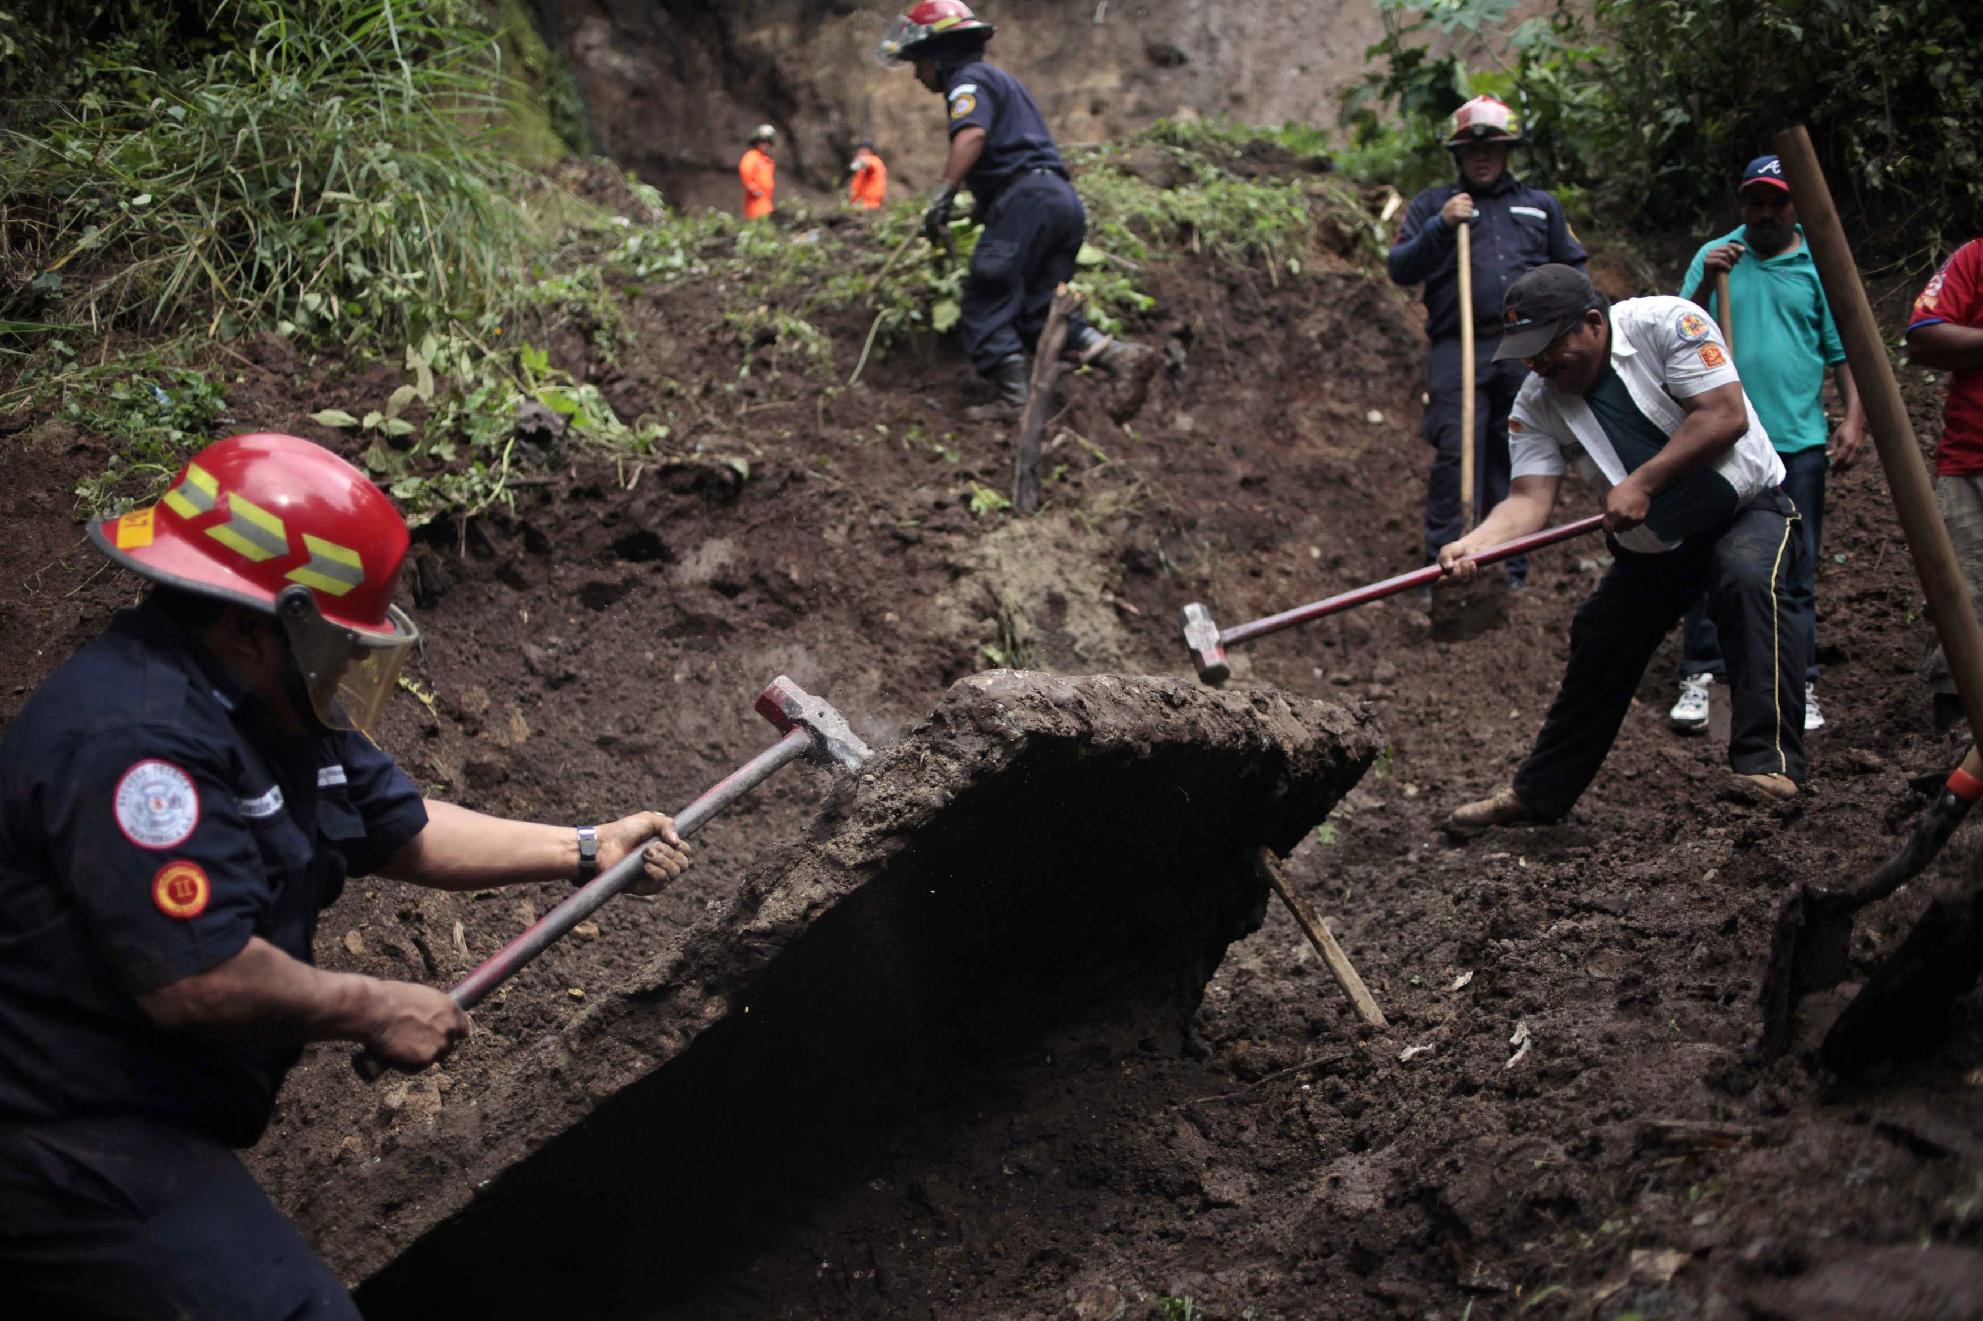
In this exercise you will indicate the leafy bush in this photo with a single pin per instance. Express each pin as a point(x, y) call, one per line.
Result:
point(1652, 106)
point(154, 417)
point(313, 165)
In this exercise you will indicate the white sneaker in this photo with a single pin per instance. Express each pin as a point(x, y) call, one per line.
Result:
point(1813, 717)
point(1690, 714)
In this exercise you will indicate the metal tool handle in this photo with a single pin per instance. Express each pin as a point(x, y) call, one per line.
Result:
point(554, 925)
point(1404, 582)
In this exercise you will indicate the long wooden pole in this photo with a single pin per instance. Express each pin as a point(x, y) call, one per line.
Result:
point(1338, 963)
point(1722, 307)
point(1893, 434)
point(1466, 379)
point(1039, 399)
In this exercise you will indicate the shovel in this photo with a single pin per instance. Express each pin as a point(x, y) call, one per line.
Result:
point(1899, 1004)
point(1465, 609)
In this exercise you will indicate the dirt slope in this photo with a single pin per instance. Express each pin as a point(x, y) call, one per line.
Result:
point(601, 649)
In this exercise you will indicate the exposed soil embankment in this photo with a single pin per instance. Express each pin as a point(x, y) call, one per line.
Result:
point(1040, 855)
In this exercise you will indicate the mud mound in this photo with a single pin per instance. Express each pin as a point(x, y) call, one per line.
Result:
point(1040, 852)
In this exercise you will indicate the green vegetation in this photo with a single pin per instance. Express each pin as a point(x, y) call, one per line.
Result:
point(365, 179)
point(1652, 106)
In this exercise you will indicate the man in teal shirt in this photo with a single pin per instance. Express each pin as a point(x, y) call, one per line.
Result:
point(1782, 335)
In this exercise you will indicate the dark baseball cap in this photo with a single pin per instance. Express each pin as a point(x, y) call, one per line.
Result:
point(1764, 169)
point(1542, 305)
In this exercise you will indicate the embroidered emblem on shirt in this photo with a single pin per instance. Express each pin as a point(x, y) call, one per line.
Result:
point(1712, 356)
point(1515, 425)
point(963, 89)
point(261, 806)
point(181, 889)
point(331, 777)
point(1693, 327)
point(961, 106)
point(156, 805)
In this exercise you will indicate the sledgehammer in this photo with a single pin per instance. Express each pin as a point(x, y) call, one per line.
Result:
point(1208, 642)
point(812, 728)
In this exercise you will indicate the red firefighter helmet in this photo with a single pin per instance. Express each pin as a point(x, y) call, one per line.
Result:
point(1484, 119)
point(288, 528)
point(928, 26)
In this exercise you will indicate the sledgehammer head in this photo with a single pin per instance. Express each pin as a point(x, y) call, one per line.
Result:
point(1202, 636)
point(790, 707)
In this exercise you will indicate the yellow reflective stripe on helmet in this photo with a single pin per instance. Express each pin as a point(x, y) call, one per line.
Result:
point(196, 493)
point(943, 23)
point(332, 568)
point(250, 530)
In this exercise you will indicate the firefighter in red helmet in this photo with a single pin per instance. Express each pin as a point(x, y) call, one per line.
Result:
point(178, 802)
point(1034, 222)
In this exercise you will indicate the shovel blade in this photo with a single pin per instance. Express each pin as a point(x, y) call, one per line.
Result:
point(1809, 951)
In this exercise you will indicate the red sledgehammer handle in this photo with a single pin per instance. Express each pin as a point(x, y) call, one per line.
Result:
point(1404, 582)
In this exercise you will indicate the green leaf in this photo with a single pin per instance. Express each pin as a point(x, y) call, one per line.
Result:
point(334, 417)
point(372, 419)
point(945, 314)
point(397, 426)
point(400, 398)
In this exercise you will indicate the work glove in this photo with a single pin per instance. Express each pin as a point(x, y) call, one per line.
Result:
point(936, 219)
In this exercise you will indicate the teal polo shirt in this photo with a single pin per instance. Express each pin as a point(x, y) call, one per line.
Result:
point(1784, 337)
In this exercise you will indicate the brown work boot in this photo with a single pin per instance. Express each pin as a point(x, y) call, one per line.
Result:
point(1498, 809)
point(1117, 357)
point(1767, 787)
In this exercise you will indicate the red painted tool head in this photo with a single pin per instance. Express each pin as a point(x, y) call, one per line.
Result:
point(789, 707)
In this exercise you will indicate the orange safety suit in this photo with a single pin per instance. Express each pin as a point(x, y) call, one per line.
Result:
point(867, 188)
point(760, 181)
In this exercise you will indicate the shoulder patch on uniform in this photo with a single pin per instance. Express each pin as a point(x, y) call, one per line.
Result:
point(961, 106)
point(1514, 424)
point(261, 806)
point(1712, 356)
point(156, 805)
point(181, 889)
point(963, 89)
point(1693, 327)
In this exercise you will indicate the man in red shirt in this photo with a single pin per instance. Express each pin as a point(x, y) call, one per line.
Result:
point(1946, 332)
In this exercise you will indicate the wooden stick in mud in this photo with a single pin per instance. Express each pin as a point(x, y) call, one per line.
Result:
point(1039, 399)
point(1928, 541)
point(1318, 935)
point(1725, 309)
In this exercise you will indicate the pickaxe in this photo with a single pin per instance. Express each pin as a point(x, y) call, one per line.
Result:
point(1208, 642)
point(812, 728)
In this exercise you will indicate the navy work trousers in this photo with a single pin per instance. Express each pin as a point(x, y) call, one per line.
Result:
point(1495, 386)
point(1033, 232)
point(1804, 480)
point(1746, 571)
point(125, 1219)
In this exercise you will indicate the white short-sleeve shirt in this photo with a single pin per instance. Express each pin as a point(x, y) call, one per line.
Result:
point(1664, 350)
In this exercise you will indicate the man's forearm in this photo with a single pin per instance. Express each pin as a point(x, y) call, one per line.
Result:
point(1947, 347)
point(264, 997)
point(966, 145)
point(1848, 394)
point(1516, 516)
point(459, 849)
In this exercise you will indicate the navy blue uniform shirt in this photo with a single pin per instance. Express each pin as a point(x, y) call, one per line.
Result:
point(1515, 229)
point(151, 821)
point(981, 95)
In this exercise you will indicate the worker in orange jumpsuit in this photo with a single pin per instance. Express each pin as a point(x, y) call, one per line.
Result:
point(758, 173)
point(867, 178)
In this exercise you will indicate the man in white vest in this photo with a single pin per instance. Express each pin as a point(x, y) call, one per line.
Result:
point(1642, 399)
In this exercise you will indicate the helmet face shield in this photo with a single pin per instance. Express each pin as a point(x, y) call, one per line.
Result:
point(348, 674)
point(896, 43)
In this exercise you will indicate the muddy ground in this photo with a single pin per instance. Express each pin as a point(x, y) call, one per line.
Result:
point(600, 651)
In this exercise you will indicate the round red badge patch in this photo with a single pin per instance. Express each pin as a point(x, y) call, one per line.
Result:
point(181, 889)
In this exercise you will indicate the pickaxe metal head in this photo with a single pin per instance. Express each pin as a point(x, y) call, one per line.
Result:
point(790, 707)
point(1207, 652)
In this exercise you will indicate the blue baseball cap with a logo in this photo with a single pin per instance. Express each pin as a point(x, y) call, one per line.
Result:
point(1764, 169)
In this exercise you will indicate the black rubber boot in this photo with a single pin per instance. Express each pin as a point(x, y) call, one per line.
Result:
point(1012, 377)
